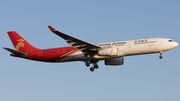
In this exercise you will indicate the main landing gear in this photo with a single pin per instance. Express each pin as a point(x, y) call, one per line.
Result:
point(92, 60)
point(161, 55)
point(95, 66)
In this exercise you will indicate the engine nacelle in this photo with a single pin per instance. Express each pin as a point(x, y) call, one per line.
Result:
point(108, 52)
point(116, 61)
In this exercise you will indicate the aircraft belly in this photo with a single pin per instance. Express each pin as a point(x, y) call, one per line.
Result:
point(78, 57)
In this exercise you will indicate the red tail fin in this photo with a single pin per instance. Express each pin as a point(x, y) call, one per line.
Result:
point(19, 43)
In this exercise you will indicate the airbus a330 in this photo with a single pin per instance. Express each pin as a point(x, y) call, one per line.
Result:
point(112, 52)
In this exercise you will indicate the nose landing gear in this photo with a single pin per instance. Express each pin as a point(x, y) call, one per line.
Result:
point(161, 55)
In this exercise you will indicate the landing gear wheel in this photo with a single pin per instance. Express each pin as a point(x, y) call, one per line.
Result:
point(87, 64)
point(96, 66)
point(161, 55)
point(91, 69)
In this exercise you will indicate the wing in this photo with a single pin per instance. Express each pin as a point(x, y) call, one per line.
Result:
point(75, 42)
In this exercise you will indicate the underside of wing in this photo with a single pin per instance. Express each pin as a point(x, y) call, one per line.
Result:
point(75, 42)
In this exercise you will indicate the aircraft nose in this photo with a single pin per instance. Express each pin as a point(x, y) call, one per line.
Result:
point(176, 44)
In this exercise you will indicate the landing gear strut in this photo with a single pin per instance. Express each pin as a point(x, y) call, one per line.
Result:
point(161, 55)
point(94, 62)
point(94, 67)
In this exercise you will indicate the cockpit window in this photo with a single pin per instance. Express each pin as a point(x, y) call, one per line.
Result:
point(170, 41)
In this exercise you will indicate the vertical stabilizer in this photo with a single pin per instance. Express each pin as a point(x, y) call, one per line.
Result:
point(19, 43)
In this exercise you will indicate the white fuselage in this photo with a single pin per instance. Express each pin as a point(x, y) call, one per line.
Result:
point(127, 48)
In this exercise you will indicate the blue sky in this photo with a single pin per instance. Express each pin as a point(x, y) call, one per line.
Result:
point(141, 78)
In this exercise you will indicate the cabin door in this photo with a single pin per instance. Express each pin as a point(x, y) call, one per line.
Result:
point(40, 53)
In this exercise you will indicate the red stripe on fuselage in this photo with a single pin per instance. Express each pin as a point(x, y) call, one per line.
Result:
point(50, 55)
point(71, 52)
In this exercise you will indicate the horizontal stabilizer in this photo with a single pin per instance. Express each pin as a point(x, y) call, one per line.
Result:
point(15, 52)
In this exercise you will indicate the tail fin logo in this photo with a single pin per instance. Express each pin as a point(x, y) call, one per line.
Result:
point(20, 44)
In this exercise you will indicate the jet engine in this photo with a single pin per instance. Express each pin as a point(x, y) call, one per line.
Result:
point(115, 61)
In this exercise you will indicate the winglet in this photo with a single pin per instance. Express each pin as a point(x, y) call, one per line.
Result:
point(51, 28)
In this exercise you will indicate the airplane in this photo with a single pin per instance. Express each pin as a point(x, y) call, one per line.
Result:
point(112, 53)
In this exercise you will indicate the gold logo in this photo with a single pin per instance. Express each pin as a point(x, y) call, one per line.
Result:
point(20, 44)
point(111, 51)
